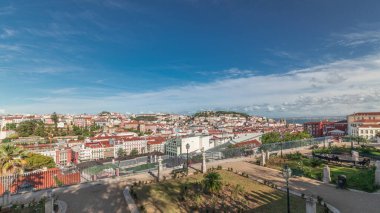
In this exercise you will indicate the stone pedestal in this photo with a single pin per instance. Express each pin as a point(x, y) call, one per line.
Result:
point(311, 206)
point(326, 174)
point(377, 173)
point(355, 156)
point(266, 155)
point(204, 169)
point(160, 169)
point(6, 199)
point(263, 158)
point(49, 205)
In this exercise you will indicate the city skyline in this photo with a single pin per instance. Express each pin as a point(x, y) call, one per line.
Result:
point(260, 57)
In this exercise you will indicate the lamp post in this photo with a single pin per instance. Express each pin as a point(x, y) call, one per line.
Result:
point(187, 164)
point(287, 173)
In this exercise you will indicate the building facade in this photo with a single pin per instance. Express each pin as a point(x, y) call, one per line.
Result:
point(177, 146)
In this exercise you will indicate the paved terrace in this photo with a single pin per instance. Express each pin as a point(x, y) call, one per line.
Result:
point(107, 195)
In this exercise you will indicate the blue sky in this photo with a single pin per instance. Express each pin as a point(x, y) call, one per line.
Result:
point(275, 58)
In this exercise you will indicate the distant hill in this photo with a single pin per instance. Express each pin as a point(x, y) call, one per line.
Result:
point(220, 113)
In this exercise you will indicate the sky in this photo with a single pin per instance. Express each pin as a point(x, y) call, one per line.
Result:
point(263, 57)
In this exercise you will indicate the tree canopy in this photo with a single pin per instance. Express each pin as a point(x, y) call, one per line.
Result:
point(145, 118)
point(37, 161)
point(274, 137)
point(32, 127)
point(134, 152)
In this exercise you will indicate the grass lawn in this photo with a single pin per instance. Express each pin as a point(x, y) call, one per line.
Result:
point(357, 178)
point(237, 193)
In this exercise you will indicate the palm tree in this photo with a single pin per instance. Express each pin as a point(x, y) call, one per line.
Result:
point(11, 160)
point(212, 182)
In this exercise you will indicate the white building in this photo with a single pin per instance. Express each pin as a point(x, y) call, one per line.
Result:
point(360, 118)
point(177, 146)
point(368, 131)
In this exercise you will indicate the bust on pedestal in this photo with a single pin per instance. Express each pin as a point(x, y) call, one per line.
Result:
point(326, 174)
point(263, 158)
point(204, 169)
point(159, 176)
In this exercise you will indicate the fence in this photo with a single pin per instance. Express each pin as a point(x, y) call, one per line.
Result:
point(295, 144)
point(38, 180)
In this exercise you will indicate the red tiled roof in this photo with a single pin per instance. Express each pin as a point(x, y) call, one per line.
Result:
point(368, 120)
point(247, 143)
point(366, 113)
point(370, 126)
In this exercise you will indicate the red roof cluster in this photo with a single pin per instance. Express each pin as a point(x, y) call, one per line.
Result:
point(253, 142)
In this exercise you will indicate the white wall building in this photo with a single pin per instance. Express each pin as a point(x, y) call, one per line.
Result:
point(177, 146)
point(368, 131)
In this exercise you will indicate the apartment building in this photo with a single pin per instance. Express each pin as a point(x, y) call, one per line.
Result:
point(130, 143)
point(177, 146)
point(357, 119)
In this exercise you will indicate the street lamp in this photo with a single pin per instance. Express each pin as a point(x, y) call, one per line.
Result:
point(287, 173)
point(187, 165)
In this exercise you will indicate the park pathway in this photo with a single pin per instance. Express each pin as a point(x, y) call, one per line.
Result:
point(345, 200)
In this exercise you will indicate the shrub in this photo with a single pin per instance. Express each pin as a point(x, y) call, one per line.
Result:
point(294, 156)
point(219, 167)
point(212, 182)
point(315, 162)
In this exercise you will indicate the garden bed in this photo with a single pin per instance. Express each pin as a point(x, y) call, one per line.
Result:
point(357, 177)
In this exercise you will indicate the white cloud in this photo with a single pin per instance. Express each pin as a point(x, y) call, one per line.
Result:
point(368, 33)
point(64, 91)
point(7, 32)
point(336, 88)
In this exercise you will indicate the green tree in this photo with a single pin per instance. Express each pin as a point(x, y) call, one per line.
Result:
point(10, 126)
point(104, 113)
point(121, 153)
point(36, 161)
point(134, 152)
point(40, 130)
point(11, 159)
point(55, 119)
point(271, 137)
point(77, 130)
point(274, 137)
point(212, 182)
point(26, 128)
